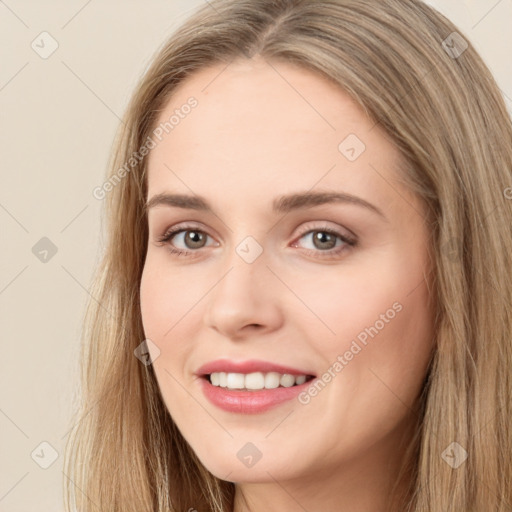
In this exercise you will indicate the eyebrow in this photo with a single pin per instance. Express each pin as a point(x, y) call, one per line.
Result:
point(282, 204)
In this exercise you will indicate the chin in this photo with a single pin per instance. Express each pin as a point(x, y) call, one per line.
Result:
point(239, 467)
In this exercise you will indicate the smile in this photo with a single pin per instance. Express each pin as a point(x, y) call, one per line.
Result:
point(250, 387)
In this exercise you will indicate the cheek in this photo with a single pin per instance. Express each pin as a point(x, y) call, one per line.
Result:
point(165, 301)
point(376, 364)
point(172, 306)
point(349, 301)
point(378, 317)
point(166, 296)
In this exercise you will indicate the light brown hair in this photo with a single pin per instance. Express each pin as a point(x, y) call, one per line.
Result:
point(446, 115)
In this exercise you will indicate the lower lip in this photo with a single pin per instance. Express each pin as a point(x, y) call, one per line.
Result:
point(250, 402)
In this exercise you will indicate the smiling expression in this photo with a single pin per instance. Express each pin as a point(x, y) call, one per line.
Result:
point(299, 243)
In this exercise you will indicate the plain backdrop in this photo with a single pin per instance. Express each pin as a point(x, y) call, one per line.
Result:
point(59, 115)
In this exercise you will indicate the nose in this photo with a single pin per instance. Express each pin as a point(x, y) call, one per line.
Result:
point(245, 301)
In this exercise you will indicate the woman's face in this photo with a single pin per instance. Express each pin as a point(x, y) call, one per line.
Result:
point(281, 280)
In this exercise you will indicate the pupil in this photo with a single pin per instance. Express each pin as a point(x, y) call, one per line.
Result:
point(323, 238)
point(194, 237)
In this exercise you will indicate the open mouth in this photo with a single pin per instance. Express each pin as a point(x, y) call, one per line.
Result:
point(256, 381)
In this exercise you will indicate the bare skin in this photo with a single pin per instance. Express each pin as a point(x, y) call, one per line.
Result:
point(252, 138)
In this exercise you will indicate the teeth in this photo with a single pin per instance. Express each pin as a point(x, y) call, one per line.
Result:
point(272, 380)
point(256, 380)
point(287, 380)
point(300, 379)
point(236, 381)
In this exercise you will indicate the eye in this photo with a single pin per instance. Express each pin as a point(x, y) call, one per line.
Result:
point(323, 241)
point(188, 236)
point(326, 242)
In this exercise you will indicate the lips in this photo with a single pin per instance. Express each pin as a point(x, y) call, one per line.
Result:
point(250, 400)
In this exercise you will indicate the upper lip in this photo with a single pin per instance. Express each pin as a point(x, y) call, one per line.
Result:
point(249, 366)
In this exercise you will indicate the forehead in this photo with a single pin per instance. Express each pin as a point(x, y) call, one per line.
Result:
point(257, 123)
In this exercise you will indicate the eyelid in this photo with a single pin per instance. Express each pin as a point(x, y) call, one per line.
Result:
point(310, 226)
point(191, 225)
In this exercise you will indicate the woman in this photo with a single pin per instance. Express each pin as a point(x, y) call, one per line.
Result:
point(233, 361)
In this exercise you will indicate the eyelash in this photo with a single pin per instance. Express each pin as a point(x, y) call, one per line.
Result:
point(349, 242)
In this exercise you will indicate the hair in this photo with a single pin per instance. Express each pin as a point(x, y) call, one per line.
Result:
point(447, 117)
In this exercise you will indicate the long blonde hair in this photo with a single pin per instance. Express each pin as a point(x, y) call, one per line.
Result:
point(436, 99)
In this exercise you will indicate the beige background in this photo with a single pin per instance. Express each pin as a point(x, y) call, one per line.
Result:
point(58, 119)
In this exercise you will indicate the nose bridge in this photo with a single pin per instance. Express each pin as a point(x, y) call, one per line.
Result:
point(243, 295)
point(246, 267)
